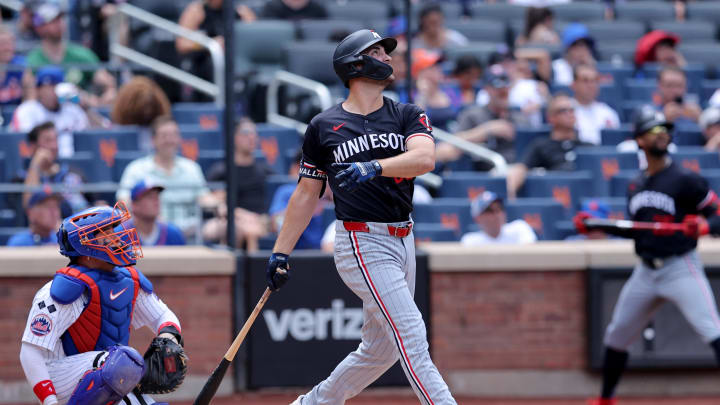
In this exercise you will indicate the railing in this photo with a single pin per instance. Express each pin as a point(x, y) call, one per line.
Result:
point(282, 77)
point(215, 89)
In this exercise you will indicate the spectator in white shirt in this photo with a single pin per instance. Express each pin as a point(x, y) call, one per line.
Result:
point(433, 35)
point(489, 213)
point(710, 126)
point(66, 114)
point(591, 116)
point(579, 47)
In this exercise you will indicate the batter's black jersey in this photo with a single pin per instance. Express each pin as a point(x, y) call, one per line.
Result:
point(668, 196)
point(339, 136)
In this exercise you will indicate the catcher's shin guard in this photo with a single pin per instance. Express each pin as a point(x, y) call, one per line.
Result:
point(117, 376)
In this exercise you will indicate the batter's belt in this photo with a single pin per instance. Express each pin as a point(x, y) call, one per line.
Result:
point(399, 230)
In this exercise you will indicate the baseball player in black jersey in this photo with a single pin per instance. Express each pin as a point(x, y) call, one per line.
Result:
point(369, 149)
point(669, 268)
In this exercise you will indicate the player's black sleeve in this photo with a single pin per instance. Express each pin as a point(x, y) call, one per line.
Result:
point(311, 165)
point(705, 200)
point(416, 123)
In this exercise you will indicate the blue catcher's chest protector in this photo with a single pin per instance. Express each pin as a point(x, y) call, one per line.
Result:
point(105, 320)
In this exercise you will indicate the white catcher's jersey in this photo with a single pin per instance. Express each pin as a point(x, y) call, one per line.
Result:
point(48, 319)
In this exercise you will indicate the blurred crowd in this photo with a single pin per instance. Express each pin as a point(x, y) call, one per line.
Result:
point(58, 79)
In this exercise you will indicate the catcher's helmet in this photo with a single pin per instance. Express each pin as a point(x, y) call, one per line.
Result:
point(102, 233)
point(349, 52)
point(647, 117)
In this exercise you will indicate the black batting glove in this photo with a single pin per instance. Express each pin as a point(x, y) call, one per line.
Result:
point(350, 175)
point(277, 272)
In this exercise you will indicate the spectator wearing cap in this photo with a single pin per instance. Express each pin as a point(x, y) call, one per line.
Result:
point(658, 46)
point(66, 114)
point(710, 126)
point(554, 153)
point(54, 49)
point(672, 98)
point(43, 214)
point(492, 124)
point(432, 34)
point(579, 47)
point(44, 168)
point(145, 208)
point(466, 74)
point(441, 101)
point(16, 81)
point(182, 178)
point(489, 214)
point(592, 115)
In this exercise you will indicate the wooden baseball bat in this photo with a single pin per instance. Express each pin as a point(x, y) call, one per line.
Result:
point(606, 224)
point(211, 385)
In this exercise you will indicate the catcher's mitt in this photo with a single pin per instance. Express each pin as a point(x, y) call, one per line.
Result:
point(165, 367)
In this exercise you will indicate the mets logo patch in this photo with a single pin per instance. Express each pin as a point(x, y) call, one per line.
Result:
point(41, 325)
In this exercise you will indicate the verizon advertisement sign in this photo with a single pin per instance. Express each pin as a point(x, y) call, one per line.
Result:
point(310, 325)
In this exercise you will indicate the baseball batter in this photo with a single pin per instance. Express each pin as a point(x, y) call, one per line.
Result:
point(369, 148)
point(669, 268)
point(74, 348)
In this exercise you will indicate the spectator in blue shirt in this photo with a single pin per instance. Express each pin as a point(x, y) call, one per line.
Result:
point(312, 236)
point(43, 213)
point(15, 79)
point(145, 208)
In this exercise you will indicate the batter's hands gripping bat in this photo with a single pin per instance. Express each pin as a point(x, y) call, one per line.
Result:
point(692, 226)
point(210, 388)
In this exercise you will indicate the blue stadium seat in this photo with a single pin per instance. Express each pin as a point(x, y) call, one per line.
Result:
point(581, 11)
point(205, 115)
point(427, 232)
point(645, 11)
point(703, 10)
point(6, 233)
point(624, 51)
point(470, 184)
point(15, 148)
point(103, 142)
point(713, 178)
point(564, 187)
point(463, 164)
point(7, 112)
point(261, 47)
point(604, 163)
point(613, 136)
point(619, 182)
point(321, 30)
point(94, 170)
point(707, 89)
point(480, 30)
point(640, 89)
point(451, 213)
point(276, 143)
point(688, 134)
point(328, 215)
point(497, 11)
point(312, 59)
point(525, 136)
point(618, 73)
point(479, 49)
point(204, 139)
point(696, 158)
point(688, 31)
point(701, 52)
point(608, 31)
point(368, 10)
point(8, 217)
point(540, 213)
point(207, 158)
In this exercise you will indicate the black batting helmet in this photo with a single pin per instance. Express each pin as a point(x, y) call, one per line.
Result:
point(648, 117)
point(349, 52)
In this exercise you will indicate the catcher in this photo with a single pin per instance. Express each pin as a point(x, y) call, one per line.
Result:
point(74, 347)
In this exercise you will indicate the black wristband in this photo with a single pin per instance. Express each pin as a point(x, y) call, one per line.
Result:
point(377, 166)
point(173, 331)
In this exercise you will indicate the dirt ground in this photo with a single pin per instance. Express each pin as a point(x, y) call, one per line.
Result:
point(384, 397)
